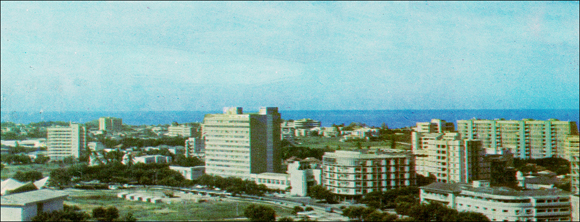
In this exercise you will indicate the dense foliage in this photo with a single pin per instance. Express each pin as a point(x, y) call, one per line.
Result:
point(439, 212)
point(320, 192)
point(355, 213)
point(16, 159)
point(68, 213)
point(390, 198)
point(557, 165)
point(233, 185)
point(288, 151)
point(138, 142)
point(27, 176)
point(260, 213)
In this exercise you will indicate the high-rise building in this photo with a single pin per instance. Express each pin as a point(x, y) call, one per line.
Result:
point(64, 142)
point(526, 139)
point(352, 174)
point(449, 158)
point(110, 124)
point(435, 126)
point(500, 203)
point(182, 130)
point(238, 144)
point(572, 147)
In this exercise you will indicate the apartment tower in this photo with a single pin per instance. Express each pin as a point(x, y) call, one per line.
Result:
point(110, 124)
point(526, 139)
point(68, 141)
point(239, 144)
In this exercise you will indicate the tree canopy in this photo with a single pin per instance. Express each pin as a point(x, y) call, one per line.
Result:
point(260, 213)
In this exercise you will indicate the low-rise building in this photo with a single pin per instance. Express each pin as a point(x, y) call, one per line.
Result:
point(194, 147)
point(182, 130)
point(352, 174)
point(500, 203)
point(152, 159)
point(190, 173)
point(303, 174)
point(24, 206)
point(276, 181)
point(435, 126)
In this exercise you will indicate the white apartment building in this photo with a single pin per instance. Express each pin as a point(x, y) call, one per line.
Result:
point(190, 173)
point(63, 142)
point(435, 126)
point(110, 124)
point(352, 174)
point(501, 203)
point(304, 174)
point(526, 139)
point(238, 144)
point(182, 130)
point(277, 181)
point(194, 147)
point(573, 149)
point(449, 158)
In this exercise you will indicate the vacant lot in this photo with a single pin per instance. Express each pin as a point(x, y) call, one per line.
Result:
point(183, 207)
point(10, 170)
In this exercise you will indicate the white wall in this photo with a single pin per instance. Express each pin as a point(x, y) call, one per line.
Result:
point(11, 213)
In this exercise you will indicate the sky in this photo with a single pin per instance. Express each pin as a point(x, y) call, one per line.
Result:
point(197, 56)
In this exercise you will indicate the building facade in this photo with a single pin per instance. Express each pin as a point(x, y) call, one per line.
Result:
point(63, 142)
point(238, 144)
point(449, 158)
point(152, 159)
point(190, 173)
point(435, 126)
point(304, 174)
point(572, 147)
point(500, 203)
point(194, 147)
point(182, 130)
point(526, 139)
point(110, 124)
point(352, 174)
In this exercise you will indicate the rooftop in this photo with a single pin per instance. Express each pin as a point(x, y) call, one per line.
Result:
point(504, 191)
point(21, 199)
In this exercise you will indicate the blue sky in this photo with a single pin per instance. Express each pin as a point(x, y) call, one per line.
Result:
point(168, 56)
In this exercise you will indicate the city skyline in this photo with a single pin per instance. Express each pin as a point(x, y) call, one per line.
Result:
point(152, 56)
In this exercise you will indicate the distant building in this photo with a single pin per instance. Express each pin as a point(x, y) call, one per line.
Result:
point(500, 203)
point(306, 124)
point(449, 158)
point(573, 150)
point(238, 144)
point(24, 206)
point(182, 130)
point(526, 139)
point(540, 180)
point(152, 159)
point(110, 124)
point(435, 126)
point(68, 141)
point(96, 146)
point(190, 173)
point(352, 174)
point(194, 147)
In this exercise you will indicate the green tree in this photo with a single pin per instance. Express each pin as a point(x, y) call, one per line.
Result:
point(320, 192)
point(60, 178)
point(68, 213)
point(41, 159)
point(285, 219)
point(109, 214)
point(27, 176)
point(297, 209)
point(129, 218)
point(260, 213)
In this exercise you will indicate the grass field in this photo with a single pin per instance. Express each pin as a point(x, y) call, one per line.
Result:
point(334, 143)
point(10, 170)
point(210, 211)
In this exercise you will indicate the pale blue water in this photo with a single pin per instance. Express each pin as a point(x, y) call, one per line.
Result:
point(393, 118)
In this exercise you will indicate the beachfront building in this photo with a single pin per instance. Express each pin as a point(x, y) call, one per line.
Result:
point(435, 126)
point(194, 147)
point(573, 149)
point(24, 206)
point(190, 173)
point(500, 203)
point(63, 142)
point(449, 158)
point(182, 130)
point(352, 174)
point(526, 139)
point(240, 144)
point(110, 124)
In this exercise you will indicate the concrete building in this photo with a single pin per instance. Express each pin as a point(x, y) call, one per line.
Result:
point(110, 124)
point(24, 206)
point(352, 174)
point(238, 144)
point(194, 147)
point(435, 126)
point(500, 203)
point(182, 130)
point(304, 174)
point(276, 181)
point(190, 173)
point(526, 139)
point(152, 159)
point(306, 124)
point(572, 147)
point(449, 158)
point(68, 141)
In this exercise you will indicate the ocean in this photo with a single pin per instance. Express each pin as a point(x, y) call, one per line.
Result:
point(393, 118)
